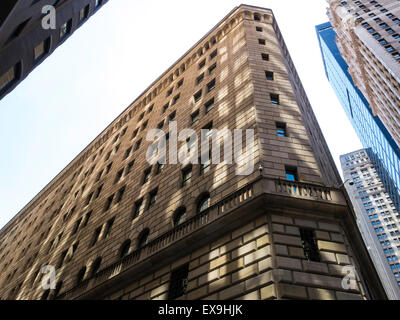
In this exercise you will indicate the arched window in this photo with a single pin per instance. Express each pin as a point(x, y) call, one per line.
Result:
point(179, 216)
point(96, 266)
point(124, 251)
point(257, 17)
point(143, 238)
point(203, 203)
point(81, 275)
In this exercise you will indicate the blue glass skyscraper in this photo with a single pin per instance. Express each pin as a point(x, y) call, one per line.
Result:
point(382, 149)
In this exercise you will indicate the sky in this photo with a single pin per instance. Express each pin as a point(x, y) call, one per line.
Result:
point(107, 63)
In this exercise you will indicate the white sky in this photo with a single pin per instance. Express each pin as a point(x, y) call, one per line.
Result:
point(89, 80)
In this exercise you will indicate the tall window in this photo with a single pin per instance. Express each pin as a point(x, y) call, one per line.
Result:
point(178, 283)
point(195, 117)
point(310, 245)
point(83, 13)
point(137, 208)
point(96, 267)
point(203, 203)
point(179, 216)
point(81, 275)
point(124, 250)
point(108, 203)
point(109, 225)
point(143, 238)
point(186, 176)
point(96, 236)
point(153, 198)
point(146, 176)
point(65, 29)
point(120, 194)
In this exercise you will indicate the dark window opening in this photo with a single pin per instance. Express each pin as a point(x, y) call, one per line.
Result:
point(178, 283)
point(310, 245)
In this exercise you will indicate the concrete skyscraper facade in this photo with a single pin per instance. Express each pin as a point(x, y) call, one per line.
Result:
point(373, 134)
point(368, 34)
point(116, 227)
point(25, 43)
point(377, 217)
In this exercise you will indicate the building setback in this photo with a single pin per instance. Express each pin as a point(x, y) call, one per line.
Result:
point(385, 154)
point(24, 43)
point(368, 34)
point(377, 217)
point(115, 227)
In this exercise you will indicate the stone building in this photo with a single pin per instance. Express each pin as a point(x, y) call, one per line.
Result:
point(116, 227)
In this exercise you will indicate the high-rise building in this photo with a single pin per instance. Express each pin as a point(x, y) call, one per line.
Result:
point(376, 216)
point(30, 31)
point(372, 132)
point(115, 226)
point(368, 34)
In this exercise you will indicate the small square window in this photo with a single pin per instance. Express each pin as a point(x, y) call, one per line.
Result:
point(200, 78)
point(209, 105)
point(211, 85)
point(213, 54)
point(165, 108)
point(269, 75)
point(261, 41)
point(259, 29)
point(265, 56)
point(137, 146)
point(281, 129)
point(202, 64)
point(176, 99)
point(195, 117)
point(275, 99)
point(172, 116)
point(41, 50)
point(212, 68)
point(291, 173)
point(197, 96)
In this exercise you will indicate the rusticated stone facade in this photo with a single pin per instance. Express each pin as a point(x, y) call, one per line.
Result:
point(284, 231)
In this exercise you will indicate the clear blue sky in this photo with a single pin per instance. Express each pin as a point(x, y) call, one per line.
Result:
point(76, 92)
